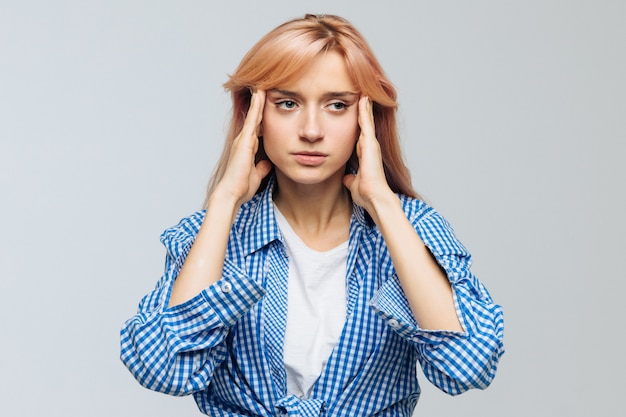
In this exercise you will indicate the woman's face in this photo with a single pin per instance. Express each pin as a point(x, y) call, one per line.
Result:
point(310, 126)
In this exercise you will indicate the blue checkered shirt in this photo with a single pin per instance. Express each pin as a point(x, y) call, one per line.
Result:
point(224, 346)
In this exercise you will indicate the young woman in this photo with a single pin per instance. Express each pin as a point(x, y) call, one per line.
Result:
point(316, 279)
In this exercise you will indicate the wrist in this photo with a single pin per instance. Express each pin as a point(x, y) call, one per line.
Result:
point(223, 195)
point(223, 203)
point(383, 206)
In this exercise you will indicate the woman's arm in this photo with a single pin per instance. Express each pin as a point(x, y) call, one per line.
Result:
point(175, 341)
point(458, 329)
point(424, 283)
point(204, 264)
point(175, 350)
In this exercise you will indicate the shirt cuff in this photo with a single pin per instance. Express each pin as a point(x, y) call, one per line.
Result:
point(392, 306)
point(232, 296)
point(223, 302)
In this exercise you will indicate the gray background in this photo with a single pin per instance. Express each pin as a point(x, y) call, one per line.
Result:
point(112, 115)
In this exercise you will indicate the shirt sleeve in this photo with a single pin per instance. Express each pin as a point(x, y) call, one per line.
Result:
point(453, 361)
point(175, 350)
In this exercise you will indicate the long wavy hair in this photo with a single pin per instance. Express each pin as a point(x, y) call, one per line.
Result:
point(285, 53)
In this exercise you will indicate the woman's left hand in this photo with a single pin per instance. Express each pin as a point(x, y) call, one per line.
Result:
point(369, 184)
point(424, 283)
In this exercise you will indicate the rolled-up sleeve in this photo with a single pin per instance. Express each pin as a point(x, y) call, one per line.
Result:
point(453, 361)
point(175, 350)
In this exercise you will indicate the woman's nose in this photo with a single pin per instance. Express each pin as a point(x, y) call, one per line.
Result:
point(311, 126)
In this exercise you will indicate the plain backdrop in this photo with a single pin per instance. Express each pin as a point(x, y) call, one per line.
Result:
point(112, 115)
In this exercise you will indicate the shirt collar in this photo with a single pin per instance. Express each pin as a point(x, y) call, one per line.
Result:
point(256, 223)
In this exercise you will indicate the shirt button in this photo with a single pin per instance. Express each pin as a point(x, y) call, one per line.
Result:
point(226, 287)
point(394, 323)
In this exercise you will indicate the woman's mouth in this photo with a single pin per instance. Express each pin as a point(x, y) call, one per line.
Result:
point(310, 158)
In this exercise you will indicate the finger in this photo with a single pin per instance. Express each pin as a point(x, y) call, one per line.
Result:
point(255, 113)
point(348, 180)
point(263, 168)
point(366, 117)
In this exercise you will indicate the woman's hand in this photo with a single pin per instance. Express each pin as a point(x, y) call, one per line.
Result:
point(425, 285)
point(242, 177)
point(203, 266)
point(369, 184)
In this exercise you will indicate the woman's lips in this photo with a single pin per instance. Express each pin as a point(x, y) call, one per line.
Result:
point(310, 158)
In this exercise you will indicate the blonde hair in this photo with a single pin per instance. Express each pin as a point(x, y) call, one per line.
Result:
point(285, 53)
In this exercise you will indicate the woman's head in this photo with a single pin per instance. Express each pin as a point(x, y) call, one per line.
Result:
point(285, 53)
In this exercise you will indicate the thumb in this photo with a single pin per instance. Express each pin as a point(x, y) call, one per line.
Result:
point(348, 180)
point(263, 168)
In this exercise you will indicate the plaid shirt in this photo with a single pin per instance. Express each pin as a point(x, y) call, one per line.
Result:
point(224, 346)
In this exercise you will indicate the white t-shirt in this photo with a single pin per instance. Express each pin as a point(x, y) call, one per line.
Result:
point(316, 311)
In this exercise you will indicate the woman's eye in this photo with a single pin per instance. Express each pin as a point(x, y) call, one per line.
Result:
point(286, 104)
point(338, 106)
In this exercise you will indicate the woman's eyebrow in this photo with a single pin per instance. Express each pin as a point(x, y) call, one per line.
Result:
point(327, 95)
point(340, 94)
point(287, 93)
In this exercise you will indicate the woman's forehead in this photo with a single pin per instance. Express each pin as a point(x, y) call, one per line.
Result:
point(326, 74)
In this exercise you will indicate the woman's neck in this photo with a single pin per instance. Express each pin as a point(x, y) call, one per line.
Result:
point(319, 214)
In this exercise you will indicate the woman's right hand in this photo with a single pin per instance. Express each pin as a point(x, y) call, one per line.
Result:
point(203, 266)
point(242, 177)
